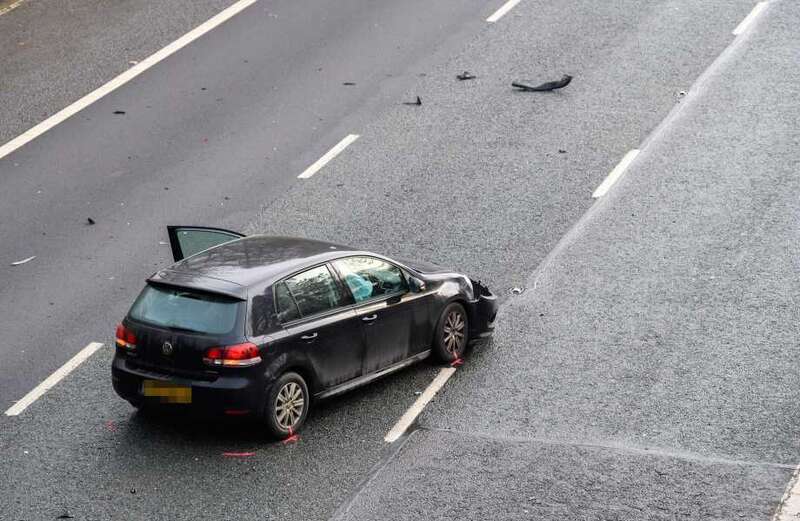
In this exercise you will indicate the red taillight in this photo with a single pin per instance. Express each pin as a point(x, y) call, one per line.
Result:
point(125, 338)
point(215, 353)
point(241, 352)
point(239, 355)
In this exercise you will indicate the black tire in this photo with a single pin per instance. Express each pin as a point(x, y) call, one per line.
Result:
point(286, 387)
point(144, 409)
point(452, 333)
point(137, 403)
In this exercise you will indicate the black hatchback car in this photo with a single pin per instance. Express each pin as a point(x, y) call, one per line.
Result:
point(259, 326)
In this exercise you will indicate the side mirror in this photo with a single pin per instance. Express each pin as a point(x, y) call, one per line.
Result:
point(416, 285)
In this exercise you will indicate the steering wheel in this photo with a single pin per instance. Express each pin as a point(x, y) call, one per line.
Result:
point(375, 281)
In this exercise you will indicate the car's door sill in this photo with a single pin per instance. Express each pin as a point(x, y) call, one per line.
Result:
point(362, 380)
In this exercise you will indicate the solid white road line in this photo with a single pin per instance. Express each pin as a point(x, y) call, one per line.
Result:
point(53, 379)
point(12, 6)
point(508, 6)
point(411, 414)
point(123, 78)
point(329, 155)
point(790, 502)
point(742, 27)
point(615, 174)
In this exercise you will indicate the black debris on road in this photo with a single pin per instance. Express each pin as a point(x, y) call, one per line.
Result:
point(544, 87)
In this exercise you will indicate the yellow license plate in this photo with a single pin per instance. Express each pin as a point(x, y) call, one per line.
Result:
point(168, 392)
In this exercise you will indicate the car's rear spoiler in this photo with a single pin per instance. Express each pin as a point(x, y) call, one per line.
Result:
point(203, 283)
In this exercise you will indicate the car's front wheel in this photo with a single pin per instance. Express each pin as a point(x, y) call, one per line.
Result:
point(287, 405)
point(452, 333)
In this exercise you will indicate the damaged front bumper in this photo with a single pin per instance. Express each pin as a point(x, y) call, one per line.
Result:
point(485, 307)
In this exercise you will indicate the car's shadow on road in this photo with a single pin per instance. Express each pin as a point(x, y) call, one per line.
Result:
point(367, 413)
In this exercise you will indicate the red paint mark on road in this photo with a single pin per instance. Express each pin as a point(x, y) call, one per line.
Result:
point(291, 438)
point(238, 454)
point(294, 438)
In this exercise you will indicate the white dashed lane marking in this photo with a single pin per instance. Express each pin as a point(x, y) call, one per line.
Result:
point(411, 414)
point(508, 6)
point(53, 379)
point(329, 155)
point(615, 174)
point(742, 27)
point(11, 6)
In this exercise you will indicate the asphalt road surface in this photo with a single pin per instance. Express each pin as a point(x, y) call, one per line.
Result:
point(646, 372)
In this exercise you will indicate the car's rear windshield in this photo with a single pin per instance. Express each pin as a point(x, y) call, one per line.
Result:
point(187, 310)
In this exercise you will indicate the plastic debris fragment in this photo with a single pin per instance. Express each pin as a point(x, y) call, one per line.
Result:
point(544, 87)
point(23, 261)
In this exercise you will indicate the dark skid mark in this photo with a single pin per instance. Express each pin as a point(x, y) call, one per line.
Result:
point(524, 85)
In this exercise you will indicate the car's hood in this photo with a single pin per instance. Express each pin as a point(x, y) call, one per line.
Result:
point(424, 267)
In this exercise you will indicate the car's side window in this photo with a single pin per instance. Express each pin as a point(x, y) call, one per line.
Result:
point(285, 304)
point(314, 291)
point(259, 315)
point(368, 277)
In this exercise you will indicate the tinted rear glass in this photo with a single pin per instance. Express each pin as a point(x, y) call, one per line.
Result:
point(183, 309)
point(315, 291)
point(287, 307)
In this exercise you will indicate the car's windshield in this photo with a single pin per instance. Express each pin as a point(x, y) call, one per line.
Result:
point(187, 310)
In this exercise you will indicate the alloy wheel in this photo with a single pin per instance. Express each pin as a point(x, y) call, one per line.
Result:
point(289, 405)
point(453, 332)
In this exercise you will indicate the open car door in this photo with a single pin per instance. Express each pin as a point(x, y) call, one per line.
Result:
point(188, 240)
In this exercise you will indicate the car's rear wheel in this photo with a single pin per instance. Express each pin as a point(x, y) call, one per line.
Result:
point(287, 405)
point(137, 403)
point(143, 408)
point(452, 333)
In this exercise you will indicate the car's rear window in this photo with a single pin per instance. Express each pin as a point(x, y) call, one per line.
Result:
point(186, 309)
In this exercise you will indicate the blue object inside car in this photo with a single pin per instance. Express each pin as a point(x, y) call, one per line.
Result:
point(361, 287)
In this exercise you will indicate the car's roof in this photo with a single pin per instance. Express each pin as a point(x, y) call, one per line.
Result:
point(235, 266)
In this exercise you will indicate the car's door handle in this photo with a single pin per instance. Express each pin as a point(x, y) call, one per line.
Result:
point(370, 318)
point(312, 336)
